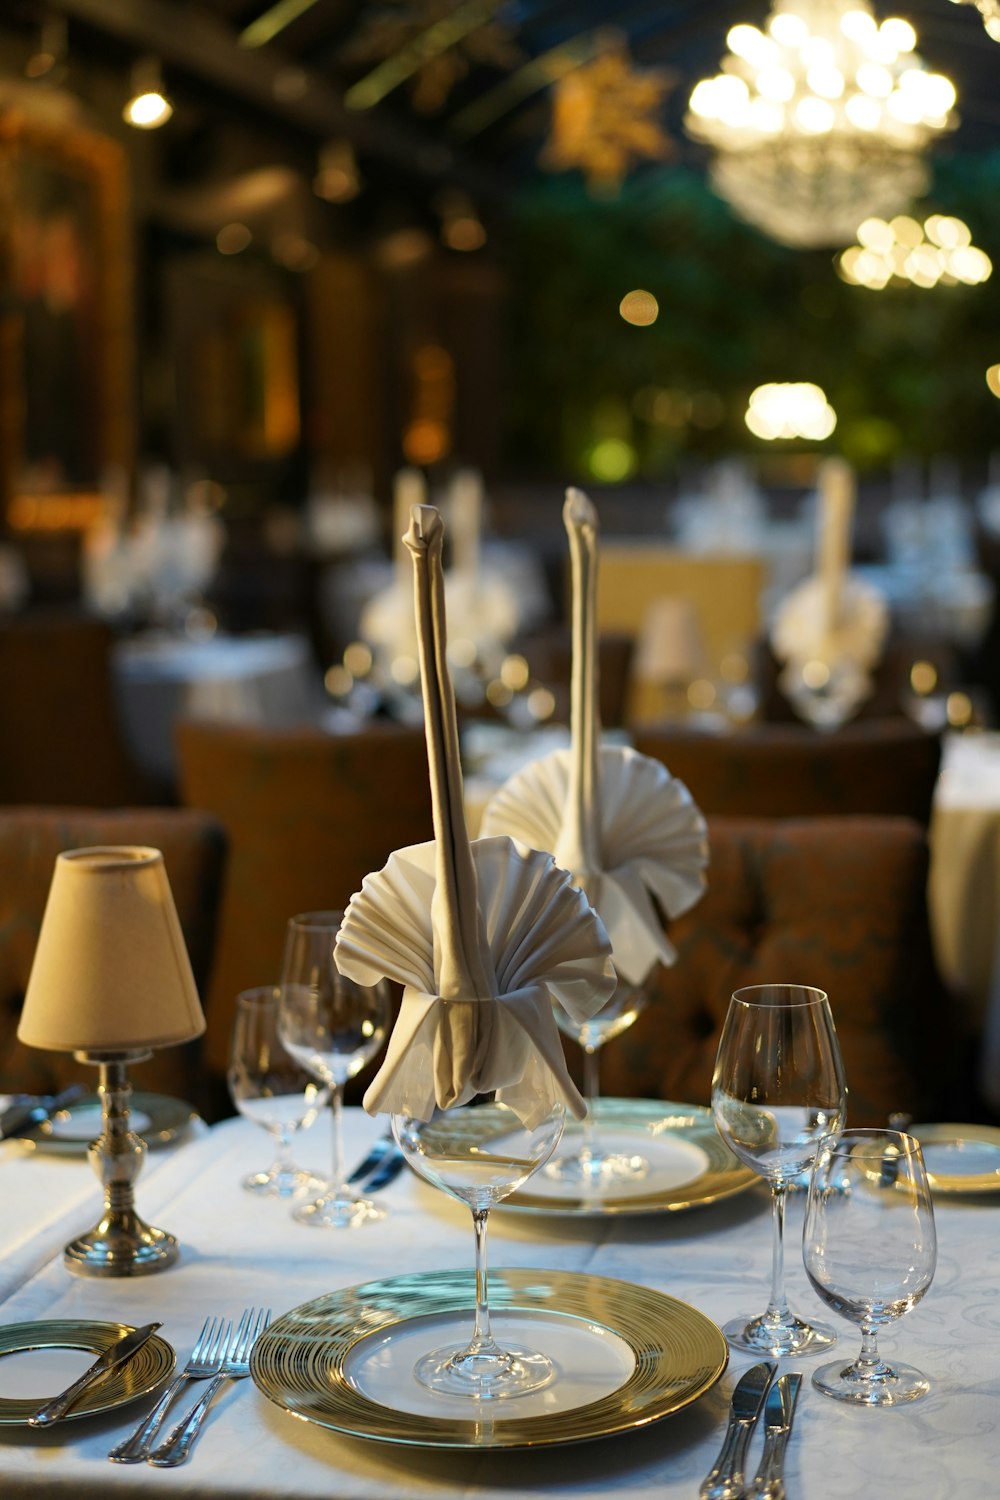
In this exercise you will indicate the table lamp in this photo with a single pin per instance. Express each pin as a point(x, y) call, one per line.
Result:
point(111, 980)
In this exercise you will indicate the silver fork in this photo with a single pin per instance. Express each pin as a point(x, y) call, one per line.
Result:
point(235, 1366)
point(205, 1360)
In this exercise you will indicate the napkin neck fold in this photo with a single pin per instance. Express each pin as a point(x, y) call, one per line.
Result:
point(459, 935)
point(579, 846)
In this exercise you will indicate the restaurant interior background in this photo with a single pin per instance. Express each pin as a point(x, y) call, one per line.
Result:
point(355, 254)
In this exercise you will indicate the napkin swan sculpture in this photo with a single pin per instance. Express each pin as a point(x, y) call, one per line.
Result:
point(628, 832)
point(482, 935)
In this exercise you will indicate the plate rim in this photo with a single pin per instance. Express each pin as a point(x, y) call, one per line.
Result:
point(524, 1201)
point(360, 1416)
point(976, 1182)
point(93, 1336)
point(175, 1116)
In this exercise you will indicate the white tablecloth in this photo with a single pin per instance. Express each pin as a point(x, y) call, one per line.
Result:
point(238, 1250)
point(240, 679)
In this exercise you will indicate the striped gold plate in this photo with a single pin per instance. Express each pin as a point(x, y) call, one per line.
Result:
point(637, 1125)
point(142, 1373)
point(301, 1362)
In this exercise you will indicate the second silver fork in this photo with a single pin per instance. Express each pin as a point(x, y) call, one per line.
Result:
point(205, 1360)
point(236, 1366)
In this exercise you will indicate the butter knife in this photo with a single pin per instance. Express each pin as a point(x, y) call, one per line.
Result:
point(121, 1350)
point(725, 1479)
point(769, 1480)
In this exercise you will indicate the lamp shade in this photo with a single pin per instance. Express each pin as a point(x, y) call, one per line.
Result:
point(111, 972)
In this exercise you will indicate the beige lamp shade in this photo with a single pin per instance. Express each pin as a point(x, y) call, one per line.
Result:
point(111, 972)
point(670, 649)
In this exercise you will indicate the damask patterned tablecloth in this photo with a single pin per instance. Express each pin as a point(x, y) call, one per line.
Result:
point(237, 1250)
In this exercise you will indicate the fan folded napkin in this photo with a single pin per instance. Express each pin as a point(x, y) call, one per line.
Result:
point(628, 832)
point(483, 936)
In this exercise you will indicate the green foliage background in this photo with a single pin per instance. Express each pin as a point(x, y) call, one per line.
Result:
point(903, 368)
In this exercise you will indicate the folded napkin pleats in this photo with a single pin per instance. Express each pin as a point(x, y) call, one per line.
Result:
point(483, 936)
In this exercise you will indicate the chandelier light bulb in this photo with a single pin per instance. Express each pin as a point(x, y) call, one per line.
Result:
point(820, 120)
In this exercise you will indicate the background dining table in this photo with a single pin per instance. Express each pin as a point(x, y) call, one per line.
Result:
point(239, 1250)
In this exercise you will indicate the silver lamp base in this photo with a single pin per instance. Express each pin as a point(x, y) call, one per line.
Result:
point(122, 1244)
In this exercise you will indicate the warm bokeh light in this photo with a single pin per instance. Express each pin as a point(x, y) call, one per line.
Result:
point(640, 308)
point(993, 379)
point(232, 239)
point(147, 111)
point(515, 673)
point(938, 252)
point(790, 410)
point(358, 659)
point(959, 709)
point(923, 677)
point(338, 681)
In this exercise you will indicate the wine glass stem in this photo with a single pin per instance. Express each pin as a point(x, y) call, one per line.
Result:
point(591, 1093)
point(482, 1337)
point(778, 1310)
point(869, 1362)
point(337, 1106)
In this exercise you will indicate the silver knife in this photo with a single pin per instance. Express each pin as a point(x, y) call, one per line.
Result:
point(725, 1479)
point(769, 1481)
point(121, 1350)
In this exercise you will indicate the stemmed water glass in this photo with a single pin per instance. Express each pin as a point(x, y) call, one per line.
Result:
point(270, 1087)
point(480, 1153)
point(778, 1089)
point(333, 1027)
point(870, 1249)
point(590, 1164)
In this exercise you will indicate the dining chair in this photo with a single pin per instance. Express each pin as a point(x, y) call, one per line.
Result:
point(307, 816)
point(836, 903)
point(194, 852)
point(63, 743)
point(873, 766)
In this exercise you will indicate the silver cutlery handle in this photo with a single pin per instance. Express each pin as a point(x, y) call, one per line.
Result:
point(769, 1481)
point(135, 1448)
point(725, 1479)
point(59, 1405)
point(178, 1445)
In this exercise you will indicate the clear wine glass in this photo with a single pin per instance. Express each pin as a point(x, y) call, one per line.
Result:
point(333, 1027)
point(480, 1153)
point(870, 1249)
point(589, 1163)
point(270, 1088)
point(778, 1089)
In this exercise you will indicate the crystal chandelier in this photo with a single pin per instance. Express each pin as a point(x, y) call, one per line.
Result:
point(820, 120)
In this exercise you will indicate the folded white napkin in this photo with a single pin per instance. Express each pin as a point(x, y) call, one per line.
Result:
point(802, 630)
point(627, 831)
point(482, 936)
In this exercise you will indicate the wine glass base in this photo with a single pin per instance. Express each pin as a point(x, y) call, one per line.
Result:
point(891, 1385)
point(762, 1336)
point(484, 1375)
point(597, 1170)
point(338, 1213)
point(282, 1182)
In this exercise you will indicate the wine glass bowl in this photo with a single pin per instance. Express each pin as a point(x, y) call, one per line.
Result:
point(588, 1163)
point(777, 1091)
point(333, 1027)
point(480, 1153)
point(870, 1248)
point(271, 1088)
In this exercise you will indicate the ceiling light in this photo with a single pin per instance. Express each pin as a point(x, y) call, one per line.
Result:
point(148, 107)
point(820, 120)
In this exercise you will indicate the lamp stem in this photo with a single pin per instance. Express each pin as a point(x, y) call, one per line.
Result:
point(122, 1244)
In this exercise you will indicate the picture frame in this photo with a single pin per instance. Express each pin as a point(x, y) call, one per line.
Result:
point(66, 355)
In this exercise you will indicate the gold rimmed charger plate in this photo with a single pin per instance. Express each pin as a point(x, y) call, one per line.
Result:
point(301, 1362)
point(960, 1158)
point(147, 1369)
point(638, 1125)
point(71, 1130)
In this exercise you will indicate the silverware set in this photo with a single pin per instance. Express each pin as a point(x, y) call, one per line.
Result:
point(220, 1353)
point(754, 1392)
